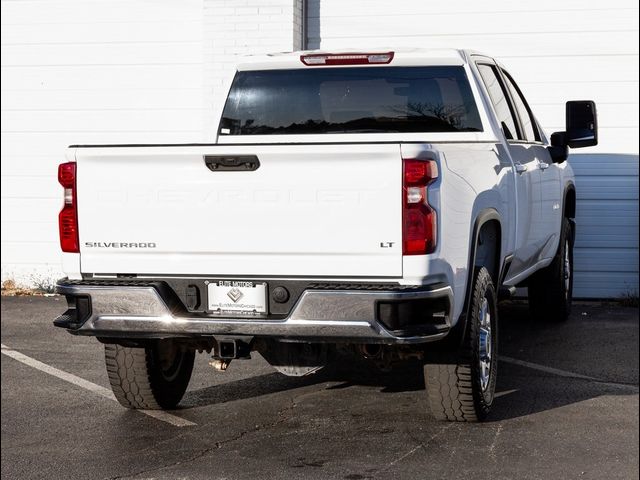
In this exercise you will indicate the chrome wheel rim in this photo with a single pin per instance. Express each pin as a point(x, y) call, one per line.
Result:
point(567, 270)
point(484, 341)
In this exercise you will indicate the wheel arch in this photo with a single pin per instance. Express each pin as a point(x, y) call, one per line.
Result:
point(569, 200)
point(569, 208)
point(488, 218)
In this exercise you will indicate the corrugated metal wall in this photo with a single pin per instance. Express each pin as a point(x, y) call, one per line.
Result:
point(606, 253)
point(86, 71)
point(557, 51)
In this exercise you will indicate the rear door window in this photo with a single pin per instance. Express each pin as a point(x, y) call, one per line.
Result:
point(504, 111)
point(524, 112)
point(350, 100)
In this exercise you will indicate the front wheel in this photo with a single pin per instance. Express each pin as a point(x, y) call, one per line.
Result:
point(551, 289)
point(150, 378)
point(463, 391)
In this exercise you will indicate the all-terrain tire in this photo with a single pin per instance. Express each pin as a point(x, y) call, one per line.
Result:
point(150, 378)
point(463, 391)
point(551, 288)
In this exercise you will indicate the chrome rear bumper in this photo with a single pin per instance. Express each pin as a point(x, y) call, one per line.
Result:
point(131, 311)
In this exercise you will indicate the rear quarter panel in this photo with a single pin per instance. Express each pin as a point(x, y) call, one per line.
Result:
point(474, 177)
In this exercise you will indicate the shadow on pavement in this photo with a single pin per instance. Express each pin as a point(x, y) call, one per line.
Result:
point(523, 391)
point(350, 371)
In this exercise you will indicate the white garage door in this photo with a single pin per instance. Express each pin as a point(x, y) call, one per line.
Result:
point(86, 71)
point(557, 51)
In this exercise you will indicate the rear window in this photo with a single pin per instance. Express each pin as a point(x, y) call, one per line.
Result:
point(350, 100)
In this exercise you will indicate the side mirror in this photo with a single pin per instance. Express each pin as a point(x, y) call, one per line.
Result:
point(582, 124)
point(581, 130)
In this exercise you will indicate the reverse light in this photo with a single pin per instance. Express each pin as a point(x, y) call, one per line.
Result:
point(68, 218)
point(315, 59)
point(419, 220)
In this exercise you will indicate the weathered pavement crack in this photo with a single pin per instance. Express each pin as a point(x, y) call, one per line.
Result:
point(281, 416)
point(419, 446)
point(492, 448)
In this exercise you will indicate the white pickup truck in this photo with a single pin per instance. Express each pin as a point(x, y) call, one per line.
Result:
point(379, 201)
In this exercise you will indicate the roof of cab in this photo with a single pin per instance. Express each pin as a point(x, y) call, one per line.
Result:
point(402, 57)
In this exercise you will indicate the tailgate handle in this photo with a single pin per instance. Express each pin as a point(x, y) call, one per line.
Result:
point(232, 163)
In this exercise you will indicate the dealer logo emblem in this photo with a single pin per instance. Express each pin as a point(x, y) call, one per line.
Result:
point(235, 294)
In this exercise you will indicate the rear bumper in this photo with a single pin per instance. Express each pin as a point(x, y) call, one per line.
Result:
point(144, 311)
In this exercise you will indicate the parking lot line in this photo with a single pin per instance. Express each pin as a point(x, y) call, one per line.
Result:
point(543, 368)
point(92, 387)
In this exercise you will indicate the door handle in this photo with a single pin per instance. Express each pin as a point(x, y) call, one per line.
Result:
point(543, 165)
point(232, 163)
point(520, 168)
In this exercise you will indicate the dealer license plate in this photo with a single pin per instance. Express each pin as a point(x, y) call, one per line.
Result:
point(237, 296)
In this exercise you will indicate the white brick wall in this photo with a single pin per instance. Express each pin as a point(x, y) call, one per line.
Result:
point(102, 71)
point(243, 27)
point(86, 71)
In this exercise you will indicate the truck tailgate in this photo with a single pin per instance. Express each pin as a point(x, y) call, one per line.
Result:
point(307, 210)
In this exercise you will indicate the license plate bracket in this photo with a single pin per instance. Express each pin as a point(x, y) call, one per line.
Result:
point(237, 297)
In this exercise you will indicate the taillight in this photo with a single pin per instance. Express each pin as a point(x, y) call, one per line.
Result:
point(68, 218)
point(315, 59)
point(419, 220)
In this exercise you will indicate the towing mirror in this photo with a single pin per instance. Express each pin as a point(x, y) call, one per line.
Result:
point(582, 124)
point(581, 130)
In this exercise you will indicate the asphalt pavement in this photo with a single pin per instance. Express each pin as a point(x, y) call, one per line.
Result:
point(567, 408)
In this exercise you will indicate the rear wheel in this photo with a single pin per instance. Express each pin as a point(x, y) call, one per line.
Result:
point(150, 378)
point(551, 289)
point(463, 391)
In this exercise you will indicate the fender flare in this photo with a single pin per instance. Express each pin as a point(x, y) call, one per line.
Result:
point(452, 342)
point(570, 187)
point(484, 216)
